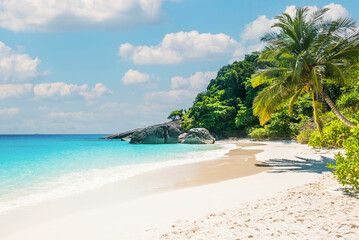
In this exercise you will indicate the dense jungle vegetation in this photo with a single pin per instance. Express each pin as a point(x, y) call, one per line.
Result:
point(304, 85)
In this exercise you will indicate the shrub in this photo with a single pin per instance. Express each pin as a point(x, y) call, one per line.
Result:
point(306, 127)
point(260, 134)
point(304, 136)
point(346, 167)
point(334, 135)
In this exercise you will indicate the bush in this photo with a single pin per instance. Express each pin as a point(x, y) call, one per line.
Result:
point(306, 127)
point(346, 167)
point(260, 134)
point(334, 135)
point(304, 136)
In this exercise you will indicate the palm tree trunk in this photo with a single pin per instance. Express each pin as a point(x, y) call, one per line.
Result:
point(336, 111)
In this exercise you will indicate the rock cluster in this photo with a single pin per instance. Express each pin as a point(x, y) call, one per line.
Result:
point(156, 135)
point(165, 133)
point(197, 136)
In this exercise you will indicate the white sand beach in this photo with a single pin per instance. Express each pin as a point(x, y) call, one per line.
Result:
point(296, 199)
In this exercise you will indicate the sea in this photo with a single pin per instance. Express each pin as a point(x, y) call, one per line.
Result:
point(36, 168)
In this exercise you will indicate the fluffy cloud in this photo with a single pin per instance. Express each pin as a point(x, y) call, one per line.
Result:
point(96, 92)
point(134, 76)
point(57, 89)
point(184, 90)
point(53, 90)
point(45, 15)
point(9, 111)
point(61, 89)
point(16, 67)
point(181, 46)
point(256, 29)
point(197, 81)
point(335, 11)
point(259, 27)
point(14, 90)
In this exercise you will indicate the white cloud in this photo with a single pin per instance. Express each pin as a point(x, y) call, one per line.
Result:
point(96, 92)
point(335, 11)
point(16, 67)
point(184, 90)
point(134, 76)
point(71, 115)
point(49, 15)
point(14, 90)
point(197, 81)
point(182, 46)
point(9, 111)
point(57, 89)
point(61, 89)
point(255, 30)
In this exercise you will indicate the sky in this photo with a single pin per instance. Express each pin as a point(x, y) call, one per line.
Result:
point(96, 66)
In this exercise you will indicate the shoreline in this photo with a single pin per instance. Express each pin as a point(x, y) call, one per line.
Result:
point(235, 163)
point(75, 183)
point(158, 207)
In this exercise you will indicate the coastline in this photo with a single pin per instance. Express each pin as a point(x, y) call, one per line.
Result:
point(157, 208)
point(87, 179)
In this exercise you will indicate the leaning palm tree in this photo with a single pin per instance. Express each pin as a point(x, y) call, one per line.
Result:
point(309, 53)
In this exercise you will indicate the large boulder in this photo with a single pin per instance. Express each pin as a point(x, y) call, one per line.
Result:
point(157, 134)
point(124, 136)
point(171, 127)
point(197, 136)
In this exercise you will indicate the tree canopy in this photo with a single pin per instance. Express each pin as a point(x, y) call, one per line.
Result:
point(176, 115)
point(310, 53)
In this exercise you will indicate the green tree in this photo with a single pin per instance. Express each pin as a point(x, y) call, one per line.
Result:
point(311, 53)
point(225, 107)
point(176, 115)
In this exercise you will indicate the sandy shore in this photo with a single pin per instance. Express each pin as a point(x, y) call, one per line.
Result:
point(168, 201)
point(316, 210)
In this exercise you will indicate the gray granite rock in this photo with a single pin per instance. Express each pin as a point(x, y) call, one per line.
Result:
point(197, 136)
point(123, 135)
point(158, 134)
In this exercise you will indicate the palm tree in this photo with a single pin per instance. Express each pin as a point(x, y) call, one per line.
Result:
point(310, 52)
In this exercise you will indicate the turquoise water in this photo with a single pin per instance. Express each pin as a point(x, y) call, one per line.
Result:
point(39, 167)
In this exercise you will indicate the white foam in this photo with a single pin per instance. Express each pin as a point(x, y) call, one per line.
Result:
point(77, 182)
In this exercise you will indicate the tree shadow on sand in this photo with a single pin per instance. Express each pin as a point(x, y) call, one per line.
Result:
point(300, 165)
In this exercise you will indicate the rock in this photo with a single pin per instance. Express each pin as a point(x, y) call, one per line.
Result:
point(123, 135)
point(126, 136)
point(182, 137)
point(173, 133)
point(197, 136)
point(170, 132)
point(158, 134)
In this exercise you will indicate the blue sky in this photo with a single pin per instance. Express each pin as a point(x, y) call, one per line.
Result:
point(87, 66)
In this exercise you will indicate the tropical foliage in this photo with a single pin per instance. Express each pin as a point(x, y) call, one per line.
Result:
point(176, 115)
point(310, 54)
point(304, 86)
point(225, 109)
point(346, 167)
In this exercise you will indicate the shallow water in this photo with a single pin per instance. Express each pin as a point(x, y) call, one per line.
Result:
point(34, 168)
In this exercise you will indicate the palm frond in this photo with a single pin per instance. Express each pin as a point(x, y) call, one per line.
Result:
point(314, 79)
point(334, 71)
point(269, 100)
point(264, 76)
point(293, 99)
